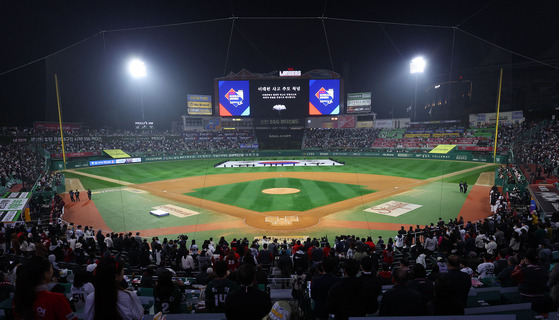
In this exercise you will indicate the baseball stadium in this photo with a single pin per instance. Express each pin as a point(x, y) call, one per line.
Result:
point(421, 183)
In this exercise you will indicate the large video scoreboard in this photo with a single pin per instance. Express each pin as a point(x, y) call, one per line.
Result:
point(277, 99)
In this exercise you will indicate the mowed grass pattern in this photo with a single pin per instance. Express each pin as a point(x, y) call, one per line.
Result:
point(157, 171)
point(248, 195)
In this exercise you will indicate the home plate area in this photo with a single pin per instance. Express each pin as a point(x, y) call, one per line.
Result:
point(278, 163)
point(393, 208)
point(282, 221)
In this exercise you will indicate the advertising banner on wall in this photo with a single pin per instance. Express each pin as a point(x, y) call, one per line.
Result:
point(346, 122)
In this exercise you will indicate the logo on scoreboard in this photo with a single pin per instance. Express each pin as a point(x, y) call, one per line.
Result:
point(325, 97)
point(235, 97)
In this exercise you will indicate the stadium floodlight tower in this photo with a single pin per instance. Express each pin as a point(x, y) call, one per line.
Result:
point(417, 66)
point(137, 69)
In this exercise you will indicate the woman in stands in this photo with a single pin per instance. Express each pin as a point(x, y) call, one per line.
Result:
point(167, 295)
point(110, 300)
point(81, 288)
point(32, 300)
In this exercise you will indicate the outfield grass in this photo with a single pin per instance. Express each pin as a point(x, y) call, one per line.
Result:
point(91, 183)
point(249, 195)
point(157, 171)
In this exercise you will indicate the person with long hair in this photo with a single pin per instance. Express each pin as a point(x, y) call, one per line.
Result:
point(32, 300)
point(110, 300)
point(167, 294)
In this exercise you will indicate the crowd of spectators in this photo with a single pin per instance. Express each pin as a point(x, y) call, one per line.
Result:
point(138, 142)
point(340, 139)
point(432, 268)
point(19, 164)
point(541, 147)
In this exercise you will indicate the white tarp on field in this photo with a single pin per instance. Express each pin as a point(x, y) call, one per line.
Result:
point(393, 208)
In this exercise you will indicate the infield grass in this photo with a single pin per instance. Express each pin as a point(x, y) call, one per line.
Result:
point(312, 194)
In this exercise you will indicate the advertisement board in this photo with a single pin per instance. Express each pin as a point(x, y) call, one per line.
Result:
point(358, 102)
point(199, 105)
point(324, 97)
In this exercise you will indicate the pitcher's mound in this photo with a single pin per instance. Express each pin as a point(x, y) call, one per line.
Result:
point(280, 190)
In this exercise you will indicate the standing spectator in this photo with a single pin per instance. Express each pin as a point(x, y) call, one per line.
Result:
point(532, 280)
point(187, 263)
point(81, 288)
point(248, 303)
point(461, 282)
point(32, 300)
point(320, 285)
point(217, 290)
point(110, 300)
point(445, 303)
point(166, 294)
point(486, 269)
point(351, 296)
point(402, 301)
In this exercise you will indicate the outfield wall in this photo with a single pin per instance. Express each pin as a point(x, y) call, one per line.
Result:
point(454, 156)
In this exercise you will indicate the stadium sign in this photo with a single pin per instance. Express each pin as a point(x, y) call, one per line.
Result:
point(199, 97)
point(290, 73)
point(200, 105)
point(358, 102)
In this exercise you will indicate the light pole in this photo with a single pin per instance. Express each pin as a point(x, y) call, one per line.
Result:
point(137, 69)
point(417, 65)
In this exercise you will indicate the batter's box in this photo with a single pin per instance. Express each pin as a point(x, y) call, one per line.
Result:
point(282, 221)
point(393, 208)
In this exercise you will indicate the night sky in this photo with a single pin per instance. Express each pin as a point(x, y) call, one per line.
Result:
point(88, 44)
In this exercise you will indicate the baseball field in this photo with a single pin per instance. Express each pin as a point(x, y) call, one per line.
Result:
point(364, 197)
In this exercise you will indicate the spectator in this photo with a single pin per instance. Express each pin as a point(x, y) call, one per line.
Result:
point(81, 288)
point(320, 285)
point(166, 294)
point(32, 300)
point(110, 300)
point(459, 280)
point(247, 303)
point(402, 301)
point(445, 302)
point(217, 290)
point(351, 297)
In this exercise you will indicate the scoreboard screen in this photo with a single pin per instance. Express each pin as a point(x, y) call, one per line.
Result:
point(279, 98)
point(234, 98)
point(324, 97)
